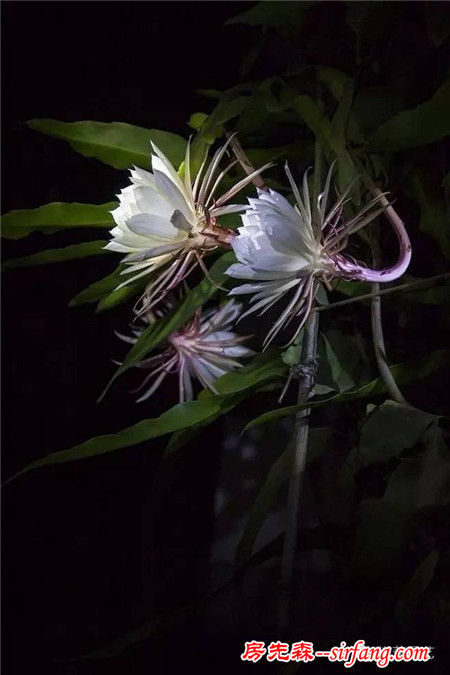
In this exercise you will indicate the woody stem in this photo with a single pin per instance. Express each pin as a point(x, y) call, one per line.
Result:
point(245, 162)
point(307, 366)
point(307, 372)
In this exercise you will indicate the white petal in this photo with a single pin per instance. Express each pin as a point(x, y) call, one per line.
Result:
point(240, 271)
point(153, 252)
point(238, 351)
point(173, 195)
point(231, 208)
point(161, 163)
point(142, 177)
point(151, 226)
point(153, 388)
point(149, 200)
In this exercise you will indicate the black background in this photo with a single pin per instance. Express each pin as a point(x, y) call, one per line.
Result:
point(94, 549)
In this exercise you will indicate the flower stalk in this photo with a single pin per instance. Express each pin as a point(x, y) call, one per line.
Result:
point(378, 335)
point(307, 371)
point(380, 349)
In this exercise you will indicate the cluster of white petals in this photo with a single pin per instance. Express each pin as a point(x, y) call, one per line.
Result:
point(205, 348)
point(164, 220)
point(277, 250)
point(284, 249)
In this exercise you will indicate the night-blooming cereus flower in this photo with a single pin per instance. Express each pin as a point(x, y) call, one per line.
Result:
point(166, 221)
point(282, 248)
point(204, 349)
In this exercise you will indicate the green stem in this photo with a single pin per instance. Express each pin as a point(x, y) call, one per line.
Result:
point(307, 368)
point(387, 291)
point(307, 372)
point(380, 349)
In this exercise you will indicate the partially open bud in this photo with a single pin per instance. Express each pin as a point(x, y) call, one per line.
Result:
point(204, 349)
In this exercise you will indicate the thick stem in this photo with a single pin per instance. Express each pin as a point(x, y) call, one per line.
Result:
point(307, 374)
point(380, 349)
point(307, 369)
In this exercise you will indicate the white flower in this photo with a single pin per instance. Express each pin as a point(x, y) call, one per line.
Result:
point(281, 249)
point(163, 218)
point(204, 348)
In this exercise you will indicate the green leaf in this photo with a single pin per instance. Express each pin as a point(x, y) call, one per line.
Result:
point(117, 144)
point(277, 476)
point(346, 169)
point(273, 14)
point(98, 289)
point(425, 124)
point(418, 482)
point(315, 120)
point(105, 292)
point(74, 252)
point(332, 135)
point(352, 289)
point(291, 355)
point(437, 295)
point(264, 369)
point(271, 103)
point(156, 333)
point(340, 84)
point(390, 429)
point(181, 416)
point(230, 105)
point(57, 216)
point(383, 533)
point(373, 106)
point(424, 479)
point(416, 587)
point(120, 295)
point(321, 295)
point(434, 217)
point(403, 373)
point(183, 436)
point(196, 120)
point(335, 80)
point(341, 365)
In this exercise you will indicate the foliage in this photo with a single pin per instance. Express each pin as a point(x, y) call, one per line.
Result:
point(353, 109)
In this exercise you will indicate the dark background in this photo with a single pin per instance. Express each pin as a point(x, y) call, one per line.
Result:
point(94, 548)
